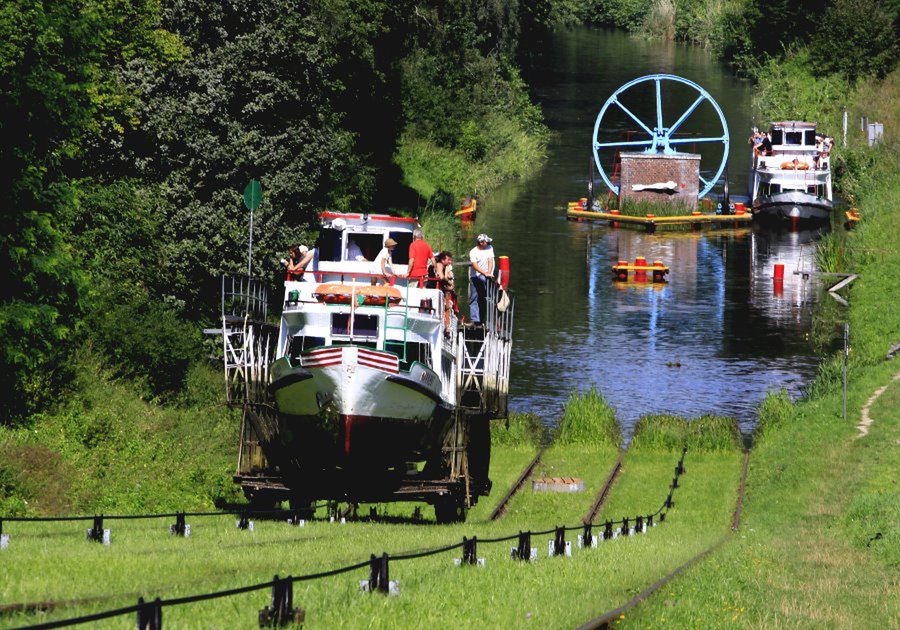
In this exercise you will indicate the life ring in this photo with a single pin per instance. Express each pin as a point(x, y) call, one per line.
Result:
point(799, 166)
point(336, 293)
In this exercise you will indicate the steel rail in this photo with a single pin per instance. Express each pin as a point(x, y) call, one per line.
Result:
point(501, 508)
point(604, 620)
point(604, 491)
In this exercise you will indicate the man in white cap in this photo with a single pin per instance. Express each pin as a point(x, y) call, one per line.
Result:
point(482, 269)
point(383, 265)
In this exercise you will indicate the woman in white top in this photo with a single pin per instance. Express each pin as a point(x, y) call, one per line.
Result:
point(482, 258)
point(382, 266)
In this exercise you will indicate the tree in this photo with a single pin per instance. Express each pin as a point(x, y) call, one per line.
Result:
point(55, 93)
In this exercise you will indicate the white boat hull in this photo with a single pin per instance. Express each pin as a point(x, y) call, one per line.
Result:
point(359, 397)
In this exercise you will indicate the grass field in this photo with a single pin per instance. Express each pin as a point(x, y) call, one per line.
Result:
point(52, 561)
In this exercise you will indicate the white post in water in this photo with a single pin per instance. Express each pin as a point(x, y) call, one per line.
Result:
point(846, 355)
point(845, 127)
point(250, 248)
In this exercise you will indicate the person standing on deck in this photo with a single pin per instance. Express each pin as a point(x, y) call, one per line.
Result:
point(482, 259)
point(420, 257)
point(383, 265)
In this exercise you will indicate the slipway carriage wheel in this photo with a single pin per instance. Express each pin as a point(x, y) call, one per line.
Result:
point(659, 138)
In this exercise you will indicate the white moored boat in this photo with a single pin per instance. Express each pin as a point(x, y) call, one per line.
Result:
point(791, 183)
point(363, 374)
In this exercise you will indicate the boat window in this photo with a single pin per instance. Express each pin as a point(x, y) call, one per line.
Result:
point(301, 343)
point(775, 189)
point(793, 137)
point(811, 190)
point(363, 244)
point(329, 245)
point(415, 351)
point(810, 137)
point(364, 326)
point(777, 136)
point(401, 252)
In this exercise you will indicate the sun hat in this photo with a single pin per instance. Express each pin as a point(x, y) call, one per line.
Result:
point(484, 237)
point(303, 249)
point(390, 243)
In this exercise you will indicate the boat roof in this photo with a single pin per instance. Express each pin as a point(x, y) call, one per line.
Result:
point(351, 217)
point(794, 123)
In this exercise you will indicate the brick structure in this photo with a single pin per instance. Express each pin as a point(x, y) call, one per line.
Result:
point(652, 168)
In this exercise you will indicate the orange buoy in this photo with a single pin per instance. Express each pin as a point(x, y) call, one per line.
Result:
point(503, 266)
point(779, 271)
point(640, 275)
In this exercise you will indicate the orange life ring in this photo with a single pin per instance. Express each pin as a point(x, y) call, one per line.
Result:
point(799, 166)
point(337, 293)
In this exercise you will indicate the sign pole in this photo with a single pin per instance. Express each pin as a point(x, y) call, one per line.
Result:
point(252, 200)
point(846, 356)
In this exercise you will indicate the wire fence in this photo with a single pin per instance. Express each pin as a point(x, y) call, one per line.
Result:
point(282, 611)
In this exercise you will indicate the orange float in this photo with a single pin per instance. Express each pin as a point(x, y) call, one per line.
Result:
point(337, 293)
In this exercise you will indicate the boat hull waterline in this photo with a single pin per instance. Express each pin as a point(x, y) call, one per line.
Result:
point(797, 205)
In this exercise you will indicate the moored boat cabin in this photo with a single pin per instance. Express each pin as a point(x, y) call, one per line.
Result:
point(796, 163)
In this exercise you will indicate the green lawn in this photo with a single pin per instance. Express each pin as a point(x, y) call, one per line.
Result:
point(52, 561)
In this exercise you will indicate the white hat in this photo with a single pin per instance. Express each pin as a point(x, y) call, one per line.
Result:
point(339, 224)
point(303, 249)
point(485, 238)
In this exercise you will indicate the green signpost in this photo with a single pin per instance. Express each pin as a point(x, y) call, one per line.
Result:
point(252, 200)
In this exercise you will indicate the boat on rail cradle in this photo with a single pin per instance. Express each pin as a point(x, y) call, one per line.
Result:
point(793, 182)
point(365, 392)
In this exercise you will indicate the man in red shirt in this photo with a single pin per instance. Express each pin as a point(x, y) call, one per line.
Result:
point(420, 256)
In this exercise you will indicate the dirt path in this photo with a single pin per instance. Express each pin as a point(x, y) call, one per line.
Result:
point(866, 420)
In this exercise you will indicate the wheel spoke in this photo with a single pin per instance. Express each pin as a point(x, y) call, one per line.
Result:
point(633, 117)
point(687, 112)
point(690, 140)
point(659, 124)
point(629, 143)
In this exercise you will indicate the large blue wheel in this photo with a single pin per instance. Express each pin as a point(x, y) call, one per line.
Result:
point(661, 139)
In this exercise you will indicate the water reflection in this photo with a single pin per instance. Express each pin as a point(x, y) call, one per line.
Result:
point(715, 337)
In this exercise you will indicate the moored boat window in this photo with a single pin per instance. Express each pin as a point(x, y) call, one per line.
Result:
point(793, 138)
point(777, 136)
point(810, 137)
point(330, 245)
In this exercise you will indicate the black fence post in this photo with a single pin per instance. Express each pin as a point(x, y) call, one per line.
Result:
point(379, 574)
point(282, 611)
point(523, 548)
point(559, 542)
point(639, 525)
point(470, 550)
point(674, 482)
point(587, 536)
point(607, 530)
point(97, 533)
point(625, 525)
point(180, 528)
point(649, 521)
point(149, 614)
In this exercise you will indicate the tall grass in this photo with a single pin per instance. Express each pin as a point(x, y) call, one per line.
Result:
point(521, 429)
point(664, 432)
point(589, 420)
point(775, 411)
point(642, 208)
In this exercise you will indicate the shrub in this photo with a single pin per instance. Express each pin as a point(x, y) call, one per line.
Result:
point(776, 410)
point(145, 338)
point(521, 429)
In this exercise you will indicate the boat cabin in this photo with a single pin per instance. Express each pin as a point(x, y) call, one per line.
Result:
point(794, 165)
point(337, 304)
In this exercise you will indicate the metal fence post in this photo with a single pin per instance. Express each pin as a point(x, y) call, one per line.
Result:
point(846, 356)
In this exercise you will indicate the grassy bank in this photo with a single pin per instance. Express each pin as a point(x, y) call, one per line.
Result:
point(53, 561)
point(104, 448)
point(820, 544)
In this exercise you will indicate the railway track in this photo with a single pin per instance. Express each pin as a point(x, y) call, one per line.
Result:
point(604, 620)
point(502, 507)
point(604, 491)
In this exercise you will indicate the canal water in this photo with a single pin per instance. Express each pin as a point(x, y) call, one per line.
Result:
point(712, 340)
